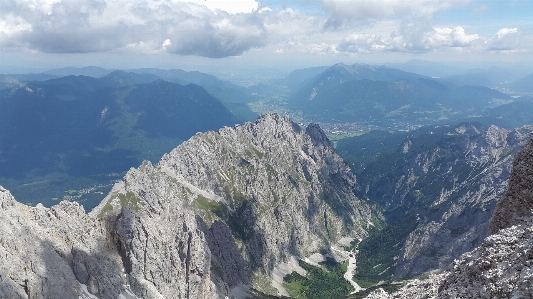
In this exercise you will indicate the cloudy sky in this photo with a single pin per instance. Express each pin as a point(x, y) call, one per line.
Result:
point(41, 34)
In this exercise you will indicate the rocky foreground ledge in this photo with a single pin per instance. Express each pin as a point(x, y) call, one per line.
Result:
point(502, 267)
point(57, 252)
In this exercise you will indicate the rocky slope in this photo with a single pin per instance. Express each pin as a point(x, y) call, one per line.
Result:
point(446, 181)
point(214, 216)
point(58, 252)
point(290, 195)
point(502, 267)
point(515, 207)
point(460, 222)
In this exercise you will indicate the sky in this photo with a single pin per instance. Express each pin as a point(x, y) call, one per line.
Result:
point(36, 35)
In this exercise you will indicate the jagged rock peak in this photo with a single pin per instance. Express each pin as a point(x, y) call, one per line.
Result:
point(6, 199)
point(57, 252)
point(278, 122)
point(317, 135)
point(275, 120)
point(248, 197)
point(517, 204)
point(220, 211)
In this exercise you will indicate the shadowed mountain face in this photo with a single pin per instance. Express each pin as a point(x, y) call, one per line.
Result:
point(438, 186)
point(380, 94)
point(509, 116)
point(226, 91)
point(86, 126)
point(299, 78)
point(501, 266)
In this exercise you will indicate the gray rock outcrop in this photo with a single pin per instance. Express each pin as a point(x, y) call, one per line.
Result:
point(281, 193)
point(57, 252)
point(217, 213)
point(502, 267)
point(471, 184)
point(516, 207)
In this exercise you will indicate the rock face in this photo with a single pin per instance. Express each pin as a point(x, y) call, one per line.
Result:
point(220, 211)
point(517, 205)
point(502, 267)
point(275, 190)
point(58, 252)
point(461, 222)
point(450, 179)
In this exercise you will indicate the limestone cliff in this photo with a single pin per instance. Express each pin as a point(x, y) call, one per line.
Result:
point(502, 267)
point(517, 205)
point(461, 214)
point(219, 212)
point(274, 189)
point(446, 181)
point(58, 252)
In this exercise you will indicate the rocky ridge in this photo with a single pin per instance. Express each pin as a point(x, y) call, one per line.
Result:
point(463, 211)
point(216, 214)
point(502, 267)
point(449, 180)
point(286, 196)
point(57, 252)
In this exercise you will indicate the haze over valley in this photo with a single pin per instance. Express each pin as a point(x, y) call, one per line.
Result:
point(75, 130)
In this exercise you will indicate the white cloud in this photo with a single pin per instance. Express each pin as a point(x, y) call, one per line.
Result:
point(365, 43)
point(435, 39)
point(12, 24)
point(505, 31)
point(205, 28)
point(439, 39)
point(221, 37)
point(414, 33)
point(165, 44)
point(230, 6)
point(449, 37)
point(307, 48)
point(510, 40)
point(218, 28)
point(321, 48)
point(365, 11)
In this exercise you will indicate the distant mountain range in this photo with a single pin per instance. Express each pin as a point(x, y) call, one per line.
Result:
point(387, 96)
point(85, 126)
point(522, 85)
point(224, 90)
point(122, 117)
point(91, 71)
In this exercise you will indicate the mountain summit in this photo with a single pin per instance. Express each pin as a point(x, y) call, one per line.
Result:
point(221, 213)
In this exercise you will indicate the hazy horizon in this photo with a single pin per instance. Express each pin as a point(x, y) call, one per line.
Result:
point(221, 36)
